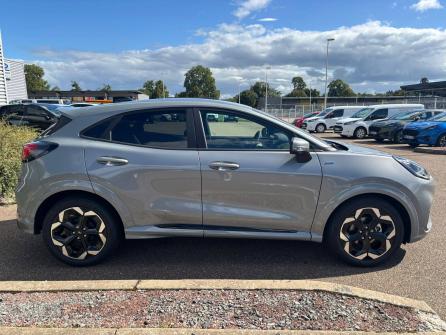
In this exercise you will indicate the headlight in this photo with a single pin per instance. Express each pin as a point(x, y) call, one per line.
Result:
point(414, 168)
point(349, 123)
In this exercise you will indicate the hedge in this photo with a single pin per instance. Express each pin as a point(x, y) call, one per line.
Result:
point(12, 139)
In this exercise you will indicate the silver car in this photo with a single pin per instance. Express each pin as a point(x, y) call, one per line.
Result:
point(160, 168)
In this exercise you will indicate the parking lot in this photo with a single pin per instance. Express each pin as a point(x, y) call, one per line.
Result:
point(418, 270)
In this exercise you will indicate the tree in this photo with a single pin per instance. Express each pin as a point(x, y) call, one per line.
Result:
point(339, 88)
point(299, 83)
point(75, 86)
point(259, 90)
point(160, 90)
point(34, 78)
point(314, 92)
point(148, 88)
point(424, 80)
point(199, 83)
point(105, 88)
point(247, 97)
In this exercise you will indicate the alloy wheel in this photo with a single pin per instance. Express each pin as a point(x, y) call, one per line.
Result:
point(367, 234)
point(78, 233)
point(360, 133)
point(442, 141)
point(320, 128)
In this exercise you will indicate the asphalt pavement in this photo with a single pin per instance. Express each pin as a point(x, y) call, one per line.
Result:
point(417, 271)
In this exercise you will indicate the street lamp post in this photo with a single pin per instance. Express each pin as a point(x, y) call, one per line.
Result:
point(326, 73)
point(266, 88)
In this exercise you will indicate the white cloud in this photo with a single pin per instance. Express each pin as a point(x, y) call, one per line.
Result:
point(371, 56)
point(246, 7)
point(267, 19)
point(424, 5)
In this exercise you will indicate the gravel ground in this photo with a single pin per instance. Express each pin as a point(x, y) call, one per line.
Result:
point(209, 309)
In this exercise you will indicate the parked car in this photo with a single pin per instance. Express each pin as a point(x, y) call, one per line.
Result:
point(122, 171)
point(328, 118)
point(431, 132)
point(230, 118)
point(300, 120)
point(392, 128)
point(213, 117)
point(38, 116)
point(357, 126)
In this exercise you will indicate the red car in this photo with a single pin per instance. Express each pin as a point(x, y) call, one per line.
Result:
point(298, 122)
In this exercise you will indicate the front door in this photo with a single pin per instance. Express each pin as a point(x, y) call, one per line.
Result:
point(148, 162)
point(251, 184)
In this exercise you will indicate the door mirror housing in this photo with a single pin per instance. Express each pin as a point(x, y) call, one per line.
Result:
point(300, 148)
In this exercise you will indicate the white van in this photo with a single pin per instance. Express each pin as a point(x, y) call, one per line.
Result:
point(328, 118)
point(358, 125)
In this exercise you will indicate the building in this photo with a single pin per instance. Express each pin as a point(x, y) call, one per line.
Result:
point(3, 89)
point(15, 79)
point(434, 89)
point(89, 96)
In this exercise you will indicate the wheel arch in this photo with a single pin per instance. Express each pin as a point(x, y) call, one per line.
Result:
point(48, 202)
point(395, 203)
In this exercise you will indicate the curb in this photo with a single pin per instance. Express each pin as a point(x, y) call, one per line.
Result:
point(178, 331)
point(200, 284)
point(432, 151)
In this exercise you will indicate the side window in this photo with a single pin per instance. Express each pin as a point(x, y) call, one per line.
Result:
point(32, 110)
point(425, 115)
point(337, 113)
point(160, 129)
point(230, 131)
point(379, 114)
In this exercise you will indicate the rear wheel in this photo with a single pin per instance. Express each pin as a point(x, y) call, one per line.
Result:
point(320, 128)
point(365, 232)
point(398, 138)
point(81, 231)
point(360, 133)
point(441, 142)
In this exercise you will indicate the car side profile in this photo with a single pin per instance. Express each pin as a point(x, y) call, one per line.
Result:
point(39, 116)
point(328, 118)
point(117, 171)
point(392, 128)
point(431, 132)
point(300, 120)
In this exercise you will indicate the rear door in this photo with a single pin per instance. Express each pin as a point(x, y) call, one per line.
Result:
point(147, 160)
point(251, 185)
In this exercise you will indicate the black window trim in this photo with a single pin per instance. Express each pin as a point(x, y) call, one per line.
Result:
point(201, 137)
point(190, 128)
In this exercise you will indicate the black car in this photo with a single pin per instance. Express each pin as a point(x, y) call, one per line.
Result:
point(39, 116)
point(392, 129)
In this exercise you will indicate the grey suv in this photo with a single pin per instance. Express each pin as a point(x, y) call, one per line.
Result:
point(160, 168)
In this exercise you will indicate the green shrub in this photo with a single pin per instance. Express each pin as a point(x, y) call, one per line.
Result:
point(11, 141)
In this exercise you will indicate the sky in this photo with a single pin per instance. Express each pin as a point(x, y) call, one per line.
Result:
point(379, 44)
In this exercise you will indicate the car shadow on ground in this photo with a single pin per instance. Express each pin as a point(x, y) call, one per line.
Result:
point(25, 257)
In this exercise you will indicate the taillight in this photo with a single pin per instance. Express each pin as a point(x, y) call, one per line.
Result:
point(36, 149)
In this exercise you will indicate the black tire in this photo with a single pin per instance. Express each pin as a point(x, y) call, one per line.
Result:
point(320, 128)
point(112, 232)
point(398, 137)
point(361, 233)
point(360, 133)
point(441, 142)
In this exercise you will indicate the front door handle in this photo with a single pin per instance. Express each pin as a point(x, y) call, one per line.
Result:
point(112, 161)
point(224, 166)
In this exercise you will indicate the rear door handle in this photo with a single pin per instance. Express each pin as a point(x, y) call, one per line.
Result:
point(224, 166)
point(112, 161)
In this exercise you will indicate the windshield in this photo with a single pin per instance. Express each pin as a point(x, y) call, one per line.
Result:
point(405, 116)
point(325, 111)
point(362, 113)
point(439, 118)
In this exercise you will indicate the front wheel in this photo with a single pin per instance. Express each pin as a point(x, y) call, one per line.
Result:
point(320, 128)
point(360, 133)
point(80, 231)
point(365, 232)
point(441, 142)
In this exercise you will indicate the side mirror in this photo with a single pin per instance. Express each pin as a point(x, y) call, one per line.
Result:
point(301, 149)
